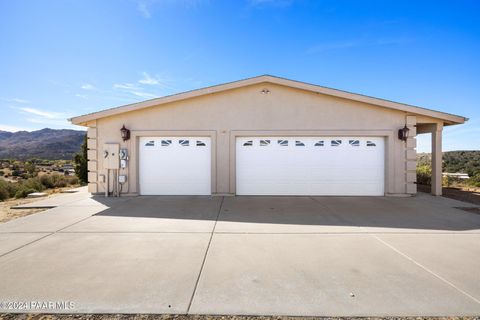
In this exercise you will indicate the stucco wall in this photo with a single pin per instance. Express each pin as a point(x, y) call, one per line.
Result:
point(282, 111)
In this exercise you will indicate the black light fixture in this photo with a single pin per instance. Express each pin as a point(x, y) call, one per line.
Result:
point(125, 133)
point(403, 133)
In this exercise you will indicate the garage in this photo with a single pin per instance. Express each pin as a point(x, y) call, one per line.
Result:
point(175, 165)
point(264, 135)
point(353, 166)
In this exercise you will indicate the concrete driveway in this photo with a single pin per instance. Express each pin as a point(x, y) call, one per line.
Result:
point(329, 256)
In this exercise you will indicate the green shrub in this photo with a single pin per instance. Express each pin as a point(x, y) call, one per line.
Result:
point(8, 188)
point(3, 194)
point(16, 173)
point(60, 183)
point(474, 181)
point(23, 192)
point(47, 181)
point(33, 183)
point(424, 175)
point(2, 173)
point(72, 180)
point(57, 180)
point(447, 181)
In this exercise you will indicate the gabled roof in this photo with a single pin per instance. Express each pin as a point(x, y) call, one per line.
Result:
point(446, 117)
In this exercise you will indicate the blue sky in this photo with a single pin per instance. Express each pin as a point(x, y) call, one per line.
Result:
point(64, 58)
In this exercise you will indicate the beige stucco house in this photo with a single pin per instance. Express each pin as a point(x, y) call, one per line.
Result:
point(261, 136)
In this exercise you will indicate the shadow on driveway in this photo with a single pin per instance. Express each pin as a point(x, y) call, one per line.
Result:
point(421, 212)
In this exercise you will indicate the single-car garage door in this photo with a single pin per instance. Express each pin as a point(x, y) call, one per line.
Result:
point(310, 166)
point(175, 165)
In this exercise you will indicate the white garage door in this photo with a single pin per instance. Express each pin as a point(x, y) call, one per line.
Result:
point(310, 166)
point(175, 165)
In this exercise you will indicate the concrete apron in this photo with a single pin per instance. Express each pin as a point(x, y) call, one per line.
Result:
point(334, 256)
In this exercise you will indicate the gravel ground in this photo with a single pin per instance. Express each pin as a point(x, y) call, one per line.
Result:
point(196, 317)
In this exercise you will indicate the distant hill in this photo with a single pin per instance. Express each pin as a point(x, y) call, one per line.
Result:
point(43, 144)
point(456, 161)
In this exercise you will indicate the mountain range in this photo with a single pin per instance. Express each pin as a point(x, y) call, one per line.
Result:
point(47, 143)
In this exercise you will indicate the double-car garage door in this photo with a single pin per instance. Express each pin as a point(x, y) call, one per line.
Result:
point(266, 165)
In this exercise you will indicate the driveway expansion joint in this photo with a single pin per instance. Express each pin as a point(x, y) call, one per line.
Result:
point(205, 256)
point(47, 234)
point(425, 268)
point(24, 245)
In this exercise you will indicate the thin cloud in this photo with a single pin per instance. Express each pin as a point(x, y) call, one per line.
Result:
point(134, 89)
point(146, 7)
point(83, 96)
point(45, 118)
point(126, 86)
point(145, 95)
point(142, 7)
point(147, 79)
point(42, 113)
point(17, 100)
point(159, 81)
point(88, 86)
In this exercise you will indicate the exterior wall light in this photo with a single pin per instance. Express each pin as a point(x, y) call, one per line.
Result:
point(125, 133)
point(403, 133)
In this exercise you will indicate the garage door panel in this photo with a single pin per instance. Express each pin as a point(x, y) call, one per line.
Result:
point(175, 166)
point(311, 166)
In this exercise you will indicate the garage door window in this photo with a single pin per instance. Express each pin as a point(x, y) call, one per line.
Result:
point(370, 144)
point(319, 143)
point(283, 143)
point(299, 143)
point(335, 143)
point(150, 144)
point(200, 143)
point(184, 143)
point(264, 143)
point(166, 143)
point(354, 143)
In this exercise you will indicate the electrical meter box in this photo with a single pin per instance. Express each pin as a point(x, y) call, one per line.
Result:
point(110, 155)
point(123, 154)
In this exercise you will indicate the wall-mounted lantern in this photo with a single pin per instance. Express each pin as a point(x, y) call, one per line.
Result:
point(403, 133)
point(125, 133)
